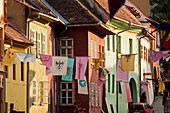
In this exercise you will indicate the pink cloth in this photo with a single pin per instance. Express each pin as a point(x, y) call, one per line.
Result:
point(100, 81)
point(121, 75)
point(48, 70)
point(157, 55)
point(129, 98)
point(81, 64)
point(46, 60)
point(144, 86)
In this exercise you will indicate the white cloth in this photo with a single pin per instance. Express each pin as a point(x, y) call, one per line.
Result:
point(82, 86)
point(25, 57)
point(59, 65)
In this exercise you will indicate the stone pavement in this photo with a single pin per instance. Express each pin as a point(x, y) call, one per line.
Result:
point(157, 105)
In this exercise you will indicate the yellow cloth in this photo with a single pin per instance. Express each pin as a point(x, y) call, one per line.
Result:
point(161, 86)
point(9, 58)
point(96, 61)
point(127, 62)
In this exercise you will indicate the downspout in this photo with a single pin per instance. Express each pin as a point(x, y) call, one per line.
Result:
point(57, 77)
point(117, 52)
point(28, 65)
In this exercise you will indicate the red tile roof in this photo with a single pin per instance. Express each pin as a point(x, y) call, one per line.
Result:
point(72, 11)
point(11, 33)
point(125, 14)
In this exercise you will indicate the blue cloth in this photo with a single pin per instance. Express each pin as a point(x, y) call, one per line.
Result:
point(70, 65)
point(162, 26)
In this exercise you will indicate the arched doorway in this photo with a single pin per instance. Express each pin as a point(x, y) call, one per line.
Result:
point(133, 90)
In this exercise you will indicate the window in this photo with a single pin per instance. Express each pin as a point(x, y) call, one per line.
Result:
point(119, 38)
point(43, 43)
point(91, 49)
point(38, 45)
point(66, 94)
point(109, 83)
point(66, 47)
point(113, 43)
point(22, 71)
point(92, 94)
point(130, 46)
point(146, 54)
point(141, 47)
point(103, 56)
point(32, 38)
point(108, 42)
point(6, 69)
point(95, 50)
point(14, 71)
point(100, 97)
point(100, 52)
point(50, 45)
point(41, 93)
point(120, 91)
point(34, 92)
point(96, 95)
point(113, 79)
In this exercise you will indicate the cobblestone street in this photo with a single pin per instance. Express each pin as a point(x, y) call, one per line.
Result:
point(157, 105)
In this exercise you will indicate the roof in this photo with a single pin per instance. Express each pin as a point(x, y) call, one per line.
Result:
point(12, 33)
point(72, 11)
point(125, 14)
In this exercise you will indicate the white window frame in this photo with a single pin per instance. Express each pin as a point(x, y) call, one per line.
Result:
point(67, 90)
point(91, 49)
point(34, 88)
point(50, 45)
point(32, 48)
point(38, 49)
point(66, 47)
point(95, 49)
point(43, 43)
point(96, 94)
point(100, 97)
point(92, 94)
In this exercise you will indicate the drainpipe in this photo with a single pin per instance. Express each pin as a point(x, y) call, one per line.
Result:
point(57, 77)
point(28, 65)
point(117, 52)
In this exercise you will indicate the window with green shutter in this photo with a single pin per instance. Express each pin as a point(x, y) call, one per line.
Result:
point(108, 42)
point(113, 43)
point(119, 44)
point(109, 83)
point(113, 79)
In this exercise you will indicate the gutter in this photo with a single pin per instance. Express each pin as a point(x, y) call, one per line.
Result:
point(52, 18)
point(54, 11)
point(128, 22)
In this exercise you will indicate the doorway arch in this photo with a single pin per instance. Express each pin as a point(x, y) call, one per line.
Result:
point(133, 90)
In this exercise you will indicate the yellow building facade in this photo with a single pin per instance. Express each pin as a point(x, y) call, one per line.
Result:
point(38, 96)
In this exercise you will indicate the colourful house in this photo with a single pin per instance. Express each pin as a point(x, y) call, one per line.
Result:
point(127, 28)
point(16, 77)
point(83, 36)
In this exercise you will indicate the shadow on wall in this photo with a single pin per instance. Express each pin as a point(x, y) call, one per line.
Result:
point(31, 75)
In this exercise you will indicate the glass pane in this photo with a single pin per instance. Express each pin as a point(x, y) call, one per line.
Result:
point(70, 55)
point(69, 51)
point(63, 93)
point(63, 52)
point(63, 85)
point(70, 100)
point(70, 93)
point(63, 42)
point(69, 85)
point(69, 42)
point(34, 91)
point(63, 100)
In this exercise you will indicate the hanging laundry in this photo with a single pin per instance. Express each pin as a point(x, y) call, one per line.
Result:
point(144, 86)
point(81, 64)
point(9, 57)
point(82, 86)
point(46, 60)
point(126, 92)
point(103, 72)
point(100, 81)
point(161, 86)
point(70, 65)
point(25, 57)
point(157, 55)
point(96, 62)
point(121, 75)
point(127, 62)
point(48, 70)
point(59, 65)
